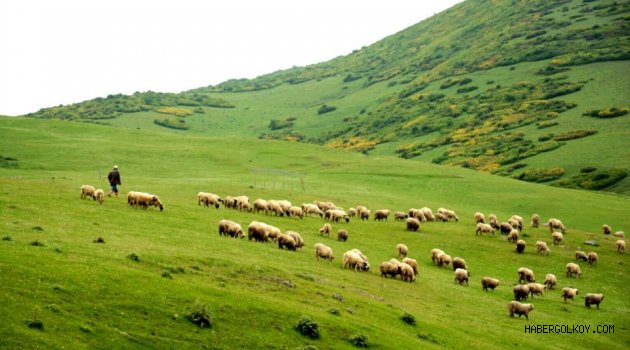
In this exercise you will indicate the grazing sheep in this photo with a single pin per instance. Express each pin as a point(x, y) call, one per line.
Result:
point(242, 203)
point(259, 231)
point(515, 224)
point(381, 214)
point(573, 269)
point(580, 255)
point(296, 212)
point(323, 251)
point(229, 202)
point(209, 199)
point(312, 209)
point(416, 214)
point(555, 224)
point(260, 205)
point(274, 207)
point(400, 216)
point(406, 272)
point(342, 235)
point(505, 228)
point(286, 206)
point(459, 263)
point(435, 253)
point(428, 214)
point(535, 220)
point(592, 258)
point(525, 275)
point(299, 242)
point(483, 228)
point(449, 213)
point(479, 218)
point(390, 269)
point(413, 263)
point(99, 196)
point(519, 222)
point(461, 275)
point(489, 282)
point(230, 228)
point(402, 250)
point(536, 288)
point(550, 281)
point(513, 236)
point(593, 299)
point(514, 307)
point(355, 259)
point(444, 260)
point(521, 291)
point(335, 215)
point(569, 293)
point(287, 241)
point(352, 212)
point(413, 224)
point(364, 214)
point(557, 237)
point(619, 234)
point(621, 246)
point(541, 247)
point(492, 220)
point(145, 200)
point(606, 229)
point(325, 230)
point(87, 191)
point(520, 246)
point(441, 217)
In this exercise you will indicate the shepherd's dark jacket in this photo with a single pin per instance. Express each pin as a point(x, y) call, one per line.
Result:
point(114, 177)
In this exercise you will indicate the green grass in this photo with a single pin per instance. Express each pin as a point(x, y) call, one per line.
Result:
point(90, 295)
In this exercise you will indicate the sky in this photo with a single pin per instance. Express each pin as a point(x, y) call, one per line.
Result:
point(67, 51)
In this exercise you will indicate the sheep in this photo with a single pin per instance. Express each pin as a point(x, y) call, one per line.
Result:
point(342, 235)
point(413, 224)
point(87, 191)
point(287, 241)
point(592, 258)
point(435, 252)
point(413, 263)
point(580, 255)
point(99, 196)
point(489, 282)
point(520, 246)
point(521, 291)
point(459, 263)
point(312, 209)
point(535, 220)
point(541, 247)
point(325, 230)
point(299, 242)
point(525, 275)
point(352, 212)
point(230, 228)
point(229, 202)
point(606, 229)
point(461, 275)
point(417, 214)
point(536, 288)
point(619, 234)
point(391, 269)
point(242, 203)
point(355, 259)
point(569, 293)
point(441, 217)
point(555, 224)
point(259, 231)
point(519, 221)
point(479, 218)
point(513, 236)
point(444, 259)
point(505, 228)
point(550, 281)
point(145, 200)
point(209, 199)
point(296, 212)
point(406, 273)
point(402, 250)
point(428, 214)
point(286, 206)
point(515, 224)
point(449, 213)
point(400, 216)
point(557, 237)
point(381, 214)
point(621, 246)
point(260, 205)
point(492, 220)
point(274, 207)
point(323, 251)
point(483, 228)
point(323, 206)
point(573, 269)
point(514, 307)
point(131, 197)
point(336, 214)
point(593, 299)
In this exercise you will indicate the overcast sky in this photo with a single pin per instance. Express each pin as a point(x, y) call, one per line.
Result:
point(66, 51)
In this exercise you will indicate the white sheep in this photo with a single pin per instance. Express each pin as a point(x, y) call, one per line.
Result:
point(520, 246)
point(461, 276)
point(355, 259)
point(489, 282)
point(592, 258)
point(381, 214)
point(444, 260)
point(342, 235)
point(593, 299)
point(536, 288)
point(260, 205)
point(299, 241)
point(99, 196)
point(606, 229)
point(619, 234)
point(402, 250)
point(484, 228)
point(525, 275)
point(519, 309)
point(459, 263)
point(413, 224)
point(573, 269)
point(325, 230)
point(542, 248)
point(580, 255)
point(557, 237)
point(569, 293)
point(323, 251)
point(521, 291)
point(535, 220)
point(621, 246)
point(435, 253)
point(389, 268)
point(555, 224)
point(406, 272)
point(479, 218)
point(230, 228)
point(87, 191)
point(513, 236)
point(413, 263)
point(550, 281)
point(428, 214)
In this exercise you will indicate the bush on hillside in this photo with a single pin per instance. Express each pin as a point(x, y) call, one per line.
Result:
point(172, 123)
point(359, 340)
point(541, 175)
point(200, 316)
point(275, 124)
point(612, 112)
point(545, 137)
point(588, 169)
point(466, 89)
point(543, 125)
point(575, 134)
point(307, 327)
point(325, 109)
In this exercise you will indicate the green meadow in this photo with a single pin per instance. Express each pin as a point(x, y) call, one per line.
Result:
point(137, 289)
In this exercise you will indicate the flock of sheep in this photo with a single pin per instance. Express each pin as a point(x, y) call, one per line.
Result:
point(407, 268)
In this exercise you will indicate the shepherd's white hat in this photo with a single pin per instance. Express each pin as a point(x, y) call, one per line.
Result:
point(115, 166)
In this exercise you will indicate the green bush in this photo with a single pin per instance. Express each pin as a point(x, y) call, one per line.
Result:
point(308, 327)
point(541, 175)
point(588, 169)
point(200, 316)
point(575, 134)
point(544, 125)
point(359, 340)
point(466, 89)
point(408, 318)
point(325, 109)
point(172, 123)
point(545, 137)
point(612, 112)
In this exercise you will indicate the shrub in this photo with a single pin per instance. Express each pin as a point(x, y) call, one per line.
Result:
point(544, 125)
point(549, 70)
point(541, 175)
point(133, 257)
point(275, 124)
point(408, 318)
point(179, 112)
point(7, 238)
point(575, 134)
point(172, 123)
point(466, 89)
point(612, 112)
point(37, 244)
point(35, 322)
point(325, 109)
point(545, 137)
point(359, 340)
point(308, 327)
point(447, 84)
point(588, 169)
point(464, 81)
point(200, 316)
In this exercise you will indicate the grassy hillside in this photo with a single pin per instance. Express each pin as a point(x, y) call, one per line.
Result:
point(90, 295)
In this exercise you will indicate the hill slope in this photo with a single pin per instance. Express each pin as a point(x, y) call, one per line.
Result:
point(529, 89)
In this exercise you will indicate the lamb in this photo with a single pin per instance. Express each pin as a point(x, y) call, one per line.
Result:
point(342, 235)
point(230, 228)
point(87, 191)
point(260, 205)
point(514, 307)
point(569, 293)
point(459, 263)
point(550, 281)
point(428, 214)
point(312, 209)
point(573, 269)
point(535, 220)
point(520, 246)
point(413, 263)
point(492, 220)
point(461, 275)
point(479, 218)
point(541, 247)
point(580, 255)
point(606, 229)
point(489, 282)
point(444, 259)
point(287, 241)
point(555, 224)
point(413, 224)
point(391, 269)
point(513, 236)
point(99, 196)
point(557, 237)
point(525, 275)
point(621, 246)
point(484, 228)
point(521, 291)
point(505, 228)
point(299, 242)
point(593, 299)
point(592, 258)
point(323, 251)
point(325, 230)
point(209, 199)
point(619, 234)
point(355, 259)
point(296, 212)
point(406, 272)
point(536, 288)
point(259, 231)
point(402, 250)
point(400, 216)
point(381, 214)
point(435, 252)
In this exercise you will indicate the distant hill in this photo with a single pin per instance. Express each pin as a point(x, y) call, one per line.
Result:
point(534, 90)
